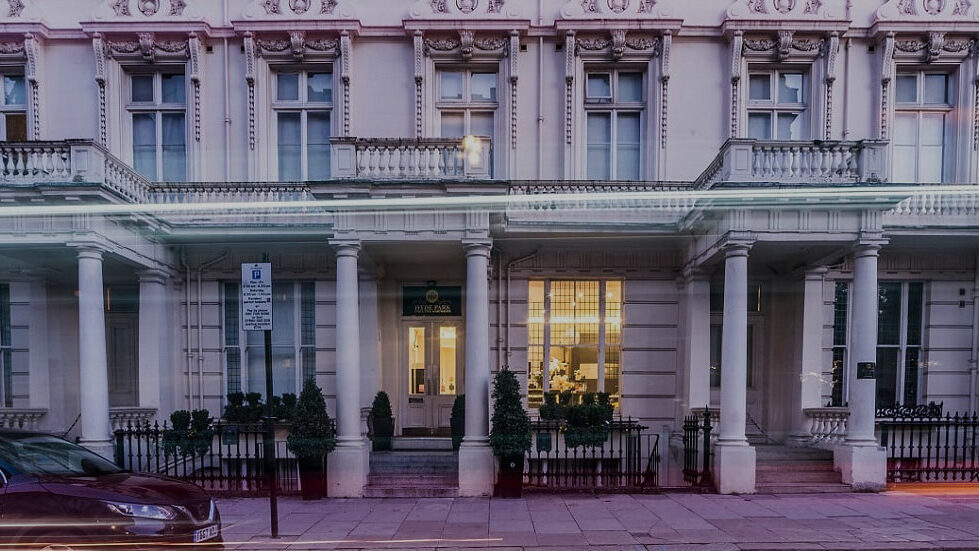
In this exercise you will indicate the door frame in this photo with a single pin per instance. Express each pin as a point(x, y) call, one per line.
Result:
point(434, 401)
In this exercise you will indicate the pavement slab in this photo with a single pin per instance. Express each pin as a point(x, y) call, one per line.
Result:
point(898, 520)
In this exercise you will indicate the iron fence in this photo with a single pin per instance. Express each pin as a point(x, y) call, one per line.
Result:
point(930, 448)
point(627, 459)
point(697, 454)
point(228, 458)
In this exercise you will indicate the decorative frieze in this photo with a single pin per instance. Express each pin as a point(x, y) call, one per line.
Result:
point(467, 44)
point(827, 10)
point(147, 9)
point(449, 9)
point(304, 9)
point(928, 10)
point(617, 9)
point(298, 46)
point(148, 48)
point(934, 46)
point(784, 45)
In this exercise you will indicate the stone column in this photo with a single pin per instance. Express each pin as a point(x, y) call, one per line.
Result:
point(476, 463)
point(734, 462)
point(93, 368)
point(348, 464)
point(861, 461)
point(808, 380)
point(152, 326)
point(697, 314)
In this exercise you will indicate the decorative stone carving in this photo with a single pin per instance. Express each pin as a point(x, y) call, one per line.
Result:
point(833, 10)
point(154, 9)
point(466, 44)
point(618, 43)
point(298, 46)
point(929, 10)
point(467, 6)
point(251, 62)
point(148, 7)
point(442, 9)
point(266, 9)
point(618, 9)
point(933, 47)
point(9, 48)
point(16, 7)
point(617, 6)
point(784, 46)
point(147, 47)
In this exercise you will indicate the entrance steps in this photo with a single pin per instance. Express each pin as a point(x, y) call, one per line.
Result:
point(414, 472)
point(428, 443)
point(784, 470)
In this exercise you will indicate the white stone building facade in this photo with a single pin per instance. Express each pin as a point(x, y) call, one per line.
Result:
point(380, 150)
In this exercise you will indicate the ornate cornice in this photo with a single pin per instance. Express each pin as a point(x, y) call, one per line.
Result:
point(618, 43)
point(466, 44)
point(298, 46)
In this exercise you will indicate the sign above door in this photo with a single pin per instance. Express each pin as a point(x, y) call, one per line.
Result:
point(431, 301)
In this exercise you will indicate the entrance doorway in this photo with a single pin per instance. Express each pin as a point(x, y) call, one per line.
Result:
point(433, 370)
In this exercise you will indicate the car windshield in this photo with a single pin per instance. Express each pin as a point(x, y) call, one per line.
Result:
point(41, 454)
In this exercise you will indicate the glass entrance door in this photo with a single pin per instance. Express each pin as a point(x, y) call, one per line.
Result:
point(433, 362)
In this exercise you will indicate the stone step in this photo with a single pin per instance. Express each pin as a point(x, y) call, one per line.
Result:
point(446, 480)
point(789, 476)
point(421, 444)
point(793, 488)
point(414, 463)
point(410, 491)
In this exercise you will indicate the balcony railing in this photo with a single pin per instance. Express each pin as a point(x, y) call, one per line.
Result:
point(423, 158)
point(798, 162)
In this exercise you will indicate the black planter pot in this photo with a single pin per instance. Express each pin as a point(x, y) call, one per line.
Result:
point(458, 425)
point(383, 430)
point(510, 481)
point(312, 477)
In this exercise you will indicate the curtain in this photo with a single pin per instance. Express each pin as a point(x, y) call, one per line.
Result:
point(144, 144)
point(318, 145)
point(290, 146)
point(174, 147)
point(599, 146)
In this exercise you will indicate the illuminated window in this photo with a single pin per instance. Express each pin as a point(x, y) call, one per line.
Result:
point(579, 324)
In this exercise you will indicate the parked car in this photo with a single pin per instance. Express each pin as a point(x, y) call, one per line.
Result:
point(56, 493)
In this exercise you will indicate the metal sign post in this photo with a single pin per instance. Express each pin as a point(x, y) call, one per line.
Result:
point(256, 307)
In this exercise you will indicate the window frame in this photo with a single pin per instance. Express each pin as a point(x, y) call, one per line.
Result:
point(773, 107)
point(157, 107)
point(602, 340)
point(17, 108)
point(466, 106)
point(919, 109)
point(614, 107)
point(303, 107)
point(6, 348)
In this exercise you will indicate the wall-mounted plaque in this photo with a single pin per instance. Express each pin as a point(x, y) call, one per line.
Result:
point(431, 301)
point(866, 370)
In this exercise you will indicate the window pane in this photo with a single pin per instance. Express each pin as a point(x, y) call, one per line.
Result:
point(841, 295)
point(319, 87)
point(936, 89)
point(886, 376)
point(715, 355)
point(13, 90)
point(447, 360)
point(907, 89)
point(630, 87)
point(174, 89)
point(889, 313)
point(450, 85)
point(627, 146)
point(790, 88)
point(915, 296)
point(931, 151)
point(318, 145)
point(760, 126)
point(484, 87)
point(760, 87)
point(290, 147)
point(837, 373)
point(174, 148)
point(599, 86)
point(790, 126)
point(287, 87)
point(481, 124)
point(599, 146)
point(453, 125)
point(911, 370)
point(144, 144)
point(16, 124)
point(905, 147)
point(142, 88)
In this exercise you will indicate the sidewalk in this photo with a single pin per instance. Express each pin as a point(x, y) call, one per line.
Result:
point(893, 520)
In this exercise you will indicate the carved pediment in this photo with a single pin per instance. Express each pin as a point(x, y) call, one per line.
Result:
point(300, 9)
point(148, 47)
point(619, 9)
point(148, 10)
point(821, 10)
point(932, 47)
point(466, 9)
point(297, 45)
point(783, 46)
point(466, 44)
point(929, 10)
point(618, 44)
point(19, 10)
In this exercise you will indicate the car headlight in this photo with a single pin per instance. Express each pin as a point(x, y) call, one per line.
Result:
point(136, 510)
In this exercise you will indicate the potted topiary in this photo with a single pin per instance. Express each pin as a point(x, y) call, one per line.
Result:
point(189, 434)
point(509, 434)
point(588, 423)
point(311, 438)
point(458, 421)
point(381, 422)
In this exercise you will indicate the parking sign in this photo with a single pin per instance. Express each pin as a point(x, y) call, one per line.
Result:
point(256, 297)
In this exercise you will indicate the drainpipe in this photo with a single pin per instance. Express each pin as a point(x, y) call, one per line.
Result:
point(540, 104)
point(227, 97)
point(510, 266)
point(974, 361)
point(499, 310)
point(200, 326)
point(188, 354)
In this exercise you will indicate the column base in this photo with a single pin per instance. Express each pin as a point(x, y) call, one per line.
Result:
point(347, 470)
point(105, 448)
point(734, 468)
point(864, 468)
point(477, 469)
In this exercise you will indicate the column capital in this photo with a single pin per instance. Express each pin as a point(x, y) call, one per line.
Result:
point(346, 247)
point(477, 247)
point(90, 251)
point(736, 248)
point(867, 247)
point(815, 273)
point(153, 275)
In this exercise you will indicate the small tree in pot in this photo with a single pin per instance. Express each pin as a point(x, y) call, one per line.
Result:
point(509, 434)
point(458, 421)
point(381, 422)
point(311, 438)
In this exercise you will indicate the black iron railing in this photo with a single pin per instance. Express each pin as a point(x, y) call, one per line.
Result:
point(697, 455)
point(627, 459)
point(227, 459)
point(930, 448)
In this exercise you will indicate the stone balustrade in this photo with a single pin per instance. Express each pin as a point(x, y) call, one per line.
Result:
point(828, 425)
point(35, 161)
point(400, 158)
point(938, 202)
point(21, 418)
point(791, 161)
point(121, 417)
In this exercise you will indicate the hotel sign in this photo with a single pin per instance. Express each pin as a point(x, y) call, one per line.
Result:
point(431, 301)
